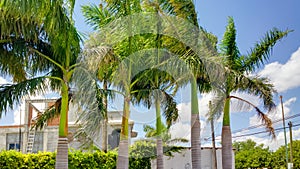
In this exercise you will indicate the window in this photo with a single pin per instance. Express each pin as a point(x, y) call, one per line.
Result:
point(14, 146)
point(13, 141)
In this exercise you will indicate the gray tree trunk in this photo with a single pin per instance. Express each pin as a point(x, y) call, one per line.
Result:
point(123, 160)
point(62, 153)
point(195, 141)
point(160, 154)
point(226, 147)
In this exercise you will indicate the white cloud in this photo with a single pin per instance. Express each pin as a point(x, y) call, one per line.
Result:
point(3, 81)
point(284, 76)
point(183, 130)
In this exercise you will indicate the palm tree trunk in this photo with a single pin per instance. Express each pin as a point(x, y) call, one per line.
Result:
point(159, 146)
point(62, 146)
point(226, 138)
point(62, 153)
point(105, 121)
point(123, 161)
point(195, 127)
point(160, 154)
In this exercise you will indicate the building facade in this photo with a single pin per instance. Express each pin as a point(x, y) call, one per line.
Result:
point(21, 137)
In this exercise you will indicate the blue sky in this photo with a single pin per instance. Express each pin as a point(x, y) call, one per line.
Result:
point(253, 19)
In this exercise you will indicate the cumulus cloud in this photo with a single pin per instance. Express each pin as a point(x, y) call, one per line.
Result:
point(183, 130)
point(280, 74)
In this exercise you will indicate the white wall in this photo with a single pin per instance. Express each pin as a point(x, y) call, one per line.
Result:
point(183, 160)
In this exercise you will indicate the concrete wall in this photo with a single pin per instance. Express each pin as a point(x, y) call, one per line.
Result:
point(183, 160)
point(12, 130)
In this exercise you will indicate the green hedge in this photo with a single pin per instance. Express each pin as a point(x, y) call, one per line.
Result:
point(77, 160)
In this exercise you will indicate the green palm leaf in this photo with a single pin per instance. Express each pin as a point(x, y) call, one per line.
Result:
point(13, 93)
point(262, 50)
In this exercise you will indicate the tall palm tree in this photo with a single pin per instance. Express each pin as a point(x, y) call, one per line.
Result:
point(237, 79)
point(98, 17)
point(125, 8)
point(45, 42)
point(153, 84)
point(202, 46)
point(120, 9)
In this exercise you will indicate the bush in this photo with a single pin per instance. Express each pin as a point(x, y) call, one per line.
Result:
point(77, 160)
point(14, 159)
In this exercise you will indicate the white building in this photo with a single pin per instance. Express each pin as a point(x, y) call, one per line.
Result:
point(183, 160)
point(18, 136)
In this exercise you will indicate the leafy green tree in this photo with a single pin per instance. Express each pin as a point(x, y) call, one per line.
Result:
point(279, 156)
point(146, 149)
point(250, 155)
point(40, 37)
point(237, 76)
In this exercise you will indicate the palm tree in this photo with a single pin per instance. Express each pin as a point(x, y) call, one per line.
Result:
point(121, 9)
point(98, 17)
point(125, 8)
point(237, 79)
point(127, 47)
point(201, 76)
point(44, 42)
point(154, 84)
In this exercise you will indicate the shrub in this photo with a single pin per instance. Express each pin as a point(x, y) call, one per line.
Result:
point(77, 159)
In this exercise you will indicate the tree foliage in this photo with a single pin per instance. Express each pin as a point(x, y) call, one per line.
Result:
point(279, 156)
point(250, 155)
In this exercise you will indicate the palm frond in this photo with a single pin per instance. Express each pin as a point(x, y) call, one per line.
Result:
point(217, 105)
point(258, 86)
point(177, 140)
point(181, 8)
point(170, 110)
point(262, 50)
point(49, 114)
point(97, 17)
point(13, 93)
point(264, 118)
point(149, 130)
point(229, 47)
point(120, 7)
